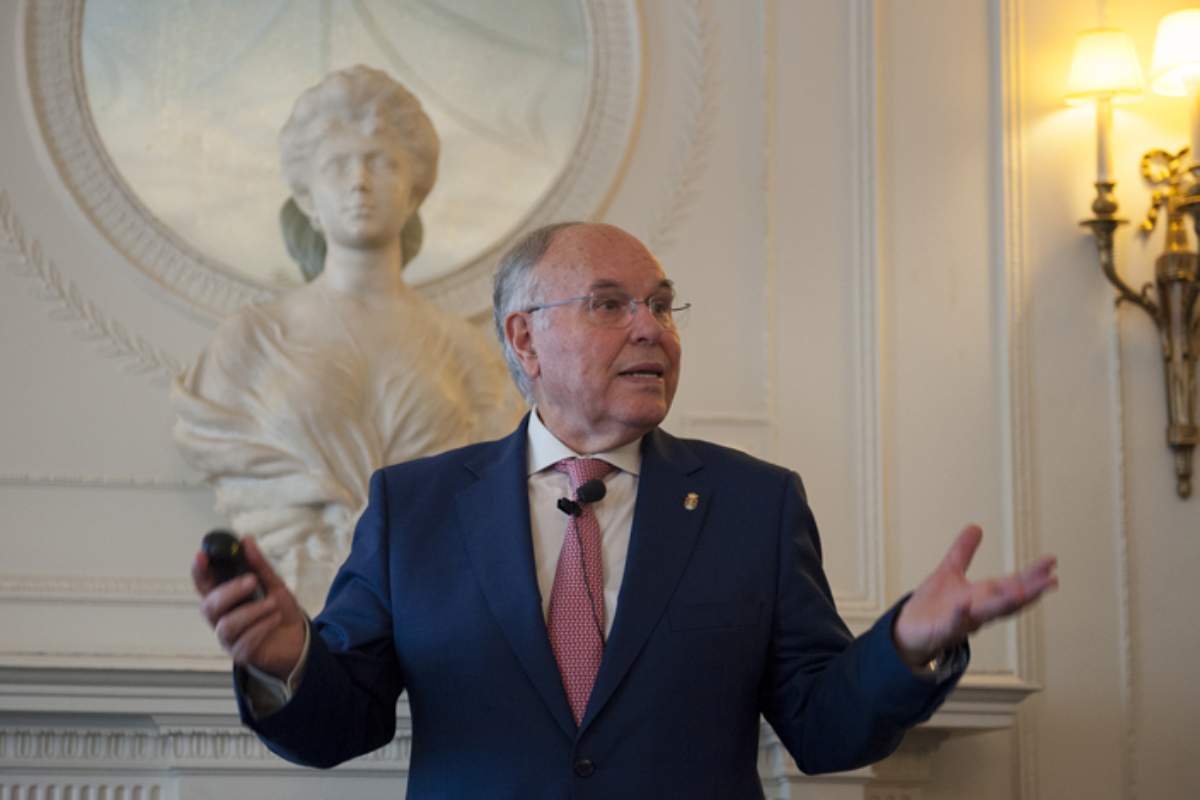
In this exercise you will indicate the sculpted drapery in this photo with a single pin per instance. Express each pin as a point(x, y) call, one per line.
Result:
point(294, 403)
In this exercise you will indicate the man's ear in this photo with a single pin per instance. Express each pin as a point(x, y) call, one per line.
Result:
point(519, 333)
point(304, 202)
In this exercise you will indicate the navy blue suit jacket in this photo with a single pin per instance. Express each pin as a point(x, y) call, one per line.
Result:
point(724, 613)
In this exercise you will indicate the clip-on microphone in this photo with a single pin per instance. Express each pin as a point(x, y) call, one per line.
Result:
point(591, 491)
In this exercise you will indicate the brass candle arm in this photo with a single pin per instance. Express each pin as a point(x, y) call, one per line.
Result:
point(1171, 301)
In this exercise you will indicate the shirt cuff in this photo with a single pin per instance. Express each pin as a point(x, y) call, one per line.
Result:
point(265, 694)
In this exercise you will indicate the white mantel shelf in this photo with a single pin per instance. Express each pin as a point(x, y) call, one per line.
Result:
point(161, 731)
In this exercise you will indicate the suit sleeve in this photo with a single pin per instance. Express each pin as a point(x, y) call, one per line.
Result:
point(836, 702)
point(345, 705)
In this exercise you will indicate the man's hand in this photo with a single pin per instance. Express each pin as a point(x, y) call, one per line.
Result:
point(267, 634)
point(946, 606)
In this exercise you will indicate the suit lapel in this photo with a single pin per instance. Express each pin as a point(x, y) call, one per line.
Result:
point(494, 517)
point(661, 542)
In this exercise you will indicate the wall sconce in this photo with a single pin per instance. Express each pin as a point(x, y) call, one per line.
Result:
point(1105, 69)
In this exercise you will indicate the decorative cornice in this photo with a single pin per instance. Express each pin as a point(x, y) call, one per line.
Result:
point(68, 304)
point(700, 114)
point(54, 64)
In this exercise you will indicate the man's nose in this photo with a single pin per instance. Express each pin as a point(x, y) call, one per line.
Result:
point(644, 326)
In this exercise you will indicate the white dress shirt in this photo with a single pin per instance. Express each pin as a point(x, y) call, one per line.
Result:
point(614, 513)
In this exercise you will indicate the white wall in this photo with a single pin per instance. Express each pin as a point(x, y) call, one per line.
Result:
point(1115, 649)
point(873, 206)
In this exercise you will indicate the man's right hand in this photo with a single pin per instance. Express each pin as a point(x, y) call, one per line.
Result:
point(267, 634)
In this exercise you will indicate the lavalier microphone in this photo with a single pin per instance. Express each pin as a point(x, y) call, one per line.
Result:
point(591, 491)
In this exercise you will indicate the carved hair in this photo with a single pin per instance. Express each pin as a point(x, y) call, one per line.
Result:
point(370, 101)
point(515, 287)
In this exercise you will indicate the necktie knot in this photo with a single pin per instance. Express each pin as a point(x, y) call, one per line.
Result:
point(581, 470)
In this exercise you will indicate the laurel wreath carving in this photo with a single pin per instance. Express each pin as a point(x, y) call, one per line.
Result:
point(25, 258)
point(701, 111)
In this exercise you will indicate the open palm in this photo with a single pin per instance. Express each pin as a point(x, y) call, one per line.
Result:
point(947, 606)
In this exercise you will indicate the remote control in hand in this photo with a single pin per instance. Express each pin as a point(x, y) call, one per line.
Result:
point(226, 558)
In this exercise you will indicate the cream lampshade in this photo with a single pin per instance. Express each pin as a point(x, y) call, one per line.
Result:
point(1175, 69)
point(1176, 64)
point(1105, 64)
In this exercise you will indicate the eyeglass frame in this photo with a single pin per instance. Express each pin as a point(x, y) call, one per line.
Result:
point(631, 306)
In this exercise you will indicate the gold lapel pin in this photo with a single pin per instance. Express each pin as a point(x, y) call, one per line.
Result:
point(691, 501)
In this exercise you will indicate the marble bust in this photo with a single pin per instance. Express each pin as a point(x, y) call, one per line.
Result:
point(295, 402)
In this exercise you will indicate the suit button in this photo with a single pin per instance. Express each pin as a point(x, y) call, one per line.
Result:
point(584, 767)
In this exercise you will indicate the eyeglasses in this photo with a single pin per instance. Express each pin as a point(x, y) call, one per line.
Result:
point(612, 309)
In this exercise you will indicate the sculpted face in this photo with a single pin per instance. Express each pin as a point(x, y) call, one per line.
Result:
point(598, 387)
point(360, 191)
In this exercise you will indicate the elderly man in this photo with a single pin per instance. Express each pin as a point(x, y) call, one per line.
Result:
point(592, 607)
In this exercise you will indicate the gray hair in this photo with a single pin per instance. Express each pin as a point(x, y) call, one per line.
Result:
point(514, 290)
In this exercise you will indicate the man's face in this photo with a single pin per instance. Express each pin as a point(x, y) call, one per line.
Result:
point(361, 188)
point(599, 387)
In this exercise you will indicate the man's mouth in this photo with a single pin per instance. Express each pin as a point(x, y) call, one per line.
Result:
point(644, 371)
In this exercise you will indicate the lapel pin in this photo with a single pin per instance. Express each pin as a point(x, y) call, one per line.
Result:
point(691, 501)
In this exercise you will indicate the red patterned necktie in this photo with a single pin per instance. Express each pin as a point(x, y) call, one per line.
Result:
point(576, 617)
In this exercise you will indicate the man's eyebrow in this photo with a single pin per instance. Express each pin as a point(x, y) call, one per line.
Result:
point(609, 283)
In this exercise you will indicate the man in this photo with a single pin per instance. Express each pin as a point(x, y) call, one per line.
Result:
point(625, 648)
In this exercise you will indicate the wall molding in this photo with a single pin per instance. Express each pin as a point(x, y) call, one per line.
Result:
point(770, 92)
point(1010, 268)
point(867, 601)
point(140, 482)
point(750, 433)
point(88, 321)
point(1123, 545)
point(90, 590)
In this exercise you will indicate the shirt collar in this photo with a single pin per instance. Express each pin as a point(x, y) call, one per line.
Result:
point(545, 450)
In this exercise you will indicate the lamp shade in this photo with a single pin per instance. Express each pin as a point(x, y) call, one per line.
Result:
point(1176, 61)
point(1105, 65)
